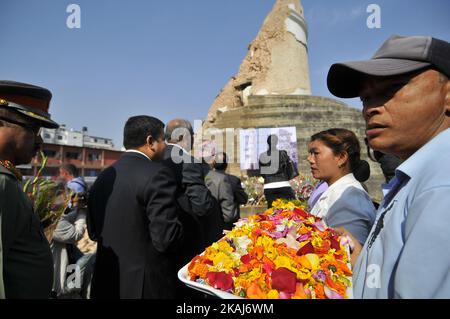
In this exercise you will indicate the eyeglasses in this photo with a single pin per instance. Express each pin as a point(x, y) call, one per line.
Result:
point(34, 129)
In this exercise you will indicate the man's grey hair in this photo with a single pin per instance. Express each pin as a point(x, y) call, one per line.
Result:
point(176, 128)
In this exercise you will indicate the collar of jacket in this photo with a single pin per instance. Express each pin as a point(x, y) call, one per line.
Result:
point(6, 167)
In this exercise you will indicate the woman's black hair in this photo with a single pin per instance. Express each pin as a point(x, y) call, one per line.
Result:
point(341, 141)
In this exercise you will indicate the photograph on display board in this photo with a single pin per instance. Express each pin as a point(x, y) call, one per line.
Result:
point(253, 142)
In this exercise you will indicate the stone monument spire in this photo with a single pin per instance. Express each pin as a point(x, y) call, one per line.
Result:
point(276, 62)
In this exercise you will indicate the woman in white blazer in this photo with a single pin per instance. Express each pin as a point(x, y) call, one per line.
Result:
point(334, 157)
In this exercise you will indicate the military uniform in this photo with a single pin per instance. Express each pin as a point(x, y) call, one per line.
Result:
point(26, 265)
point(27, 259)
point(2, 287)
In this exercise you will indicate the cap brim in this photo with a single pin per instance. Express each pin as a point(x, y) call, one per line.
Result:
point(43, 121)
point(345, 79)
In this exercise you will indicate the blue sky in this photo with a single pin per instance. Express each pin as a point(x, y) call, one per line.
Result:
point(171, 58)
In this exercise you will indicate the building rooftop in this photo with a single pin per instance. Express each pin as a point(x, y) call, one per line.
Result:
point(71, 137)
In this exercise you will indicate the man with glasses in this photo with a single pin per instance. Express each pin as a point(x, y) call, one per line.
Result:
point(26, 266)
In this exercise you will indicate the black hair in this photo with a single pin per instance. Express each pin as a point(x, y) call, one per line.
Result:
point(138, 128)
point(342, 140)
point(221, 161)
point(71, 169)
point(272, 140)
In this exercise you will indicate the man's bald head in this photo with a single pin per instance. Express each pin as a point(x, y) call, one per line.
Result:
point(179, 131)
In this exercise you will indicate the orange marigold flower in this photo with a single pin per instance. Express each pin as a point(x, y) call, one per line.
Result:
point(255, 292)
point(338, 287)
point(258, 252)
point(319, 290)
point(200, 270)
point(300, 292)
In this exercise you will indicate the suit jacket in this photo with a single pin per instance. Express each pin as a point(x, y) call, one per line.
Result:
point(201, 218)
point(134, 217)
point(228, 191)
point(27, 259)
point(276, 166)
point(240, 196)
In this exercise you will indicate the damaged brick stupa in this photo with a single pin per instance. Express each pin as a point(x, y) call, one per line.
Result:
point(272, 89)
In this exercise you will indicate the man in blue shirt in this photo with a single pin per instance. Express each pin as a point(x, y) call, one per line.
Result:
point(405, 91)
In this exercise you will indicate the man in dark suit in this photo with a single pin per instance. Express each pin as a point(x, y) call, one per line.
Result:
point(134, 218)
point(200, 214)
point(227, 189)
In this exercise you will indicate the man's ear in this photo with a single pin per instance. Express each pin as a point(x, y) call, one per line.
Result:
point(150, 141)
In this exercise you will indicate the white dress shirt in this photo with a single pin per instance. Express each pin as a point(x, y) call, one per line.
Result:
point(277, 185)
point(139, 152)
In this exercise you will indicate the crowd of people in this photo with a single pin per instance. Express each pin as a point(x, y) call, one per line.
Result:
point(157, 207)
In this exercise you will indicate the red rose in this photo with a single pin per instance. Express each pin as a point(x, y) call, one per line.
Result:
point(246, 259)
point(306, 249)
point(208, 262)
point(335, 244)
point(284, 280)
point(220, 280)
point(301, 213)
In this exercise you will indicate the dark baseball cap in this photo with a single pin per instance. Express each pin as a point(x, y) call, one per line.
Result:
point(398, 55)
point(29, 100)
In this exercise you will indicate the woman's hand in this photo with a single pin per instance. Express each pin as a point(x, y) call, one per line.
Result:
point(355, 246)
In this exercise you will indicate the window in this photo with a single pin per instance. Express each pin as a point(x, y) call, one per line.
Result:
point(94, 157)
point(46, 135)
point(73, 155)
point(60, 137)
point(50, 171)
point(95, 140)
point(49, 153)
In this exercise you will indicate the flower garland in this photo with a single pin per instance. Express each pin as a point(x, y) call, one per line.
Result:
point(285, 253)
